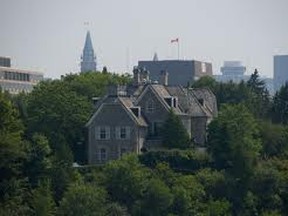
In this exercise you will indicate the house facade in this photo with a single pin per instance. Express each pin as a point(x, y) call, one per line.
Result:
point(130, 118)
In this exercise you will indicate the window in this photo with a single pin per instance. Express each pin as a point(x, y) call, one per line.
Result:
point(103, 154)
point(102, 133)
point(123, 132)
point(150, 106)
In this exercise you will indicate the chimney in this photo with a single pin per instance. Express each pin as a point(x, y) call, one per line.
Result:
point(144, 75)
point(117, 90)
point(164, 77)
point(136, 76)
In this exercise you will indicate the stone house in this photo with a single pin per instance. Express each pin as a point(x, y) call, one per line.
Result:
point(130, 117)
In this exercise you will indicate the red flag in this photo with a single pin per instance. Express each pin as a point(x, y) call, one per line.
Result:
point(175, 40)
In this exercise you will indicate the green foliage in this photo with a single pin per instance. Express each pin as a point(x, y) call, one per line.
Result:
point(174, 133)
point(259, 102)
point(274, 140)
point(218, 208)
point(205, 82)
point(233, 141)
point(42, 200)
point(39, 159)
point(55, 110)
point(94, 84)
point(266, 187)
point(213, 181)
point(12, 156)
point(178, 160)
point(126, 180)
point(83, 199)
point(279, 110)
point(114, 209)
point(157, 199)
point(189, 195)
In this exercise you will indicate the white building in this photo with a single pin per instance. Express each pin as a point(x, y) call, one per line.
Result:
point(16, 80)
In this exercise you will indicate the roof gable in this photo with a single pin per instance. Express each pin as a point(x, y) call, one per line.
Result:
point(121, 102)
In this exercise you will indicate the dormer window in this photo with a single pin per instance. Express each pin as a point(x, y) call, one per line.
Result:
point(150, 106)
point(172, 101)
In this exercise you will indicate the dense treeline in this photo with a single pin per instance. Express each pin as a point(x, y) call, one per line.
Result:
point(243, 172)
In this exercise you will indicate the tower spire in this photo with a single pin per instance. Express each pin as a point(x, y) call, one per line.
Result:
point(155, 57)
point(88, 62)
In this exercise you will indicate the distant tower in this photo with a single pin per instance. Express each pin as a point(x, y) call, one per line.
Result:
point(155, 57)
point(88, 58)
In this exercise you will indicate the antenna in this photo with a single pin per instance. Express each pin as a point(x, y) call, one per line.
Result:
point(86, 25)
point(127, 59)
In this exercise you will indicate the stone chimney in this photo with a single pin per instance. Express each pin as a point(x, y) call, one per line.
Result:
point(164, 77)
point(136, 76)
point(144, 75)
point(117, 90)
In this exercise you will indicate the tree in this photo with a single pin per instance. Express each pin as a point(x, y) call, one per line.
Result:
point(42, 200)
point(174, 133)
point(234, 144)
point(206, 82)
point(274, 139)
point(233, 140)
point(115, 209)
point(83, 199)
point(279, 110)
point(125, 180)
point(189, 196)
point(12, 157)
point(39, 159)
point(157, 199)
point(259, 102)
point(54, 110)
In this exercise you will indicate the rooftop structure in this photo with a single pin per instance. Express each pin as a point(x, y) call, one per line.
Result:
point(88, 57)
point(181, 72)
point(16, 80)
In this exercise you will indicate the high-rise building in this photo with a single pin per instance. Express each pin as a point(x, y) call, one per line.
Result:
point(280, 71)
point(88, 57)
point(232, 71)
point(17, 80)
point(181, 72)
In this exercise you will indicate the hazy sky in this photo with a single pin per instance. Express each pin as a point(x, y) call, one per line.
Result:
point(49, 35)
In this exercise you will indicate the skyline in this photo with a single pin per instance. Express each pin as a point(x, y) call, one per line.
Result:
point(50, 36)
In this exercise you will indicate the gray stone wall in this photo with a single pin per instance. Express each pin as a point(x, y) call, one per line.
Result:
point(159, 114)
point(199, 126)
point(113, 116)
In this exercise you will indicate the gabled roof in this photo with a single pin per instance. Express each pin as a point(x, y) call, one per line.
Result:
point(187, 101)
point(161, 93)
point(208, 96)
point(125, 102)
